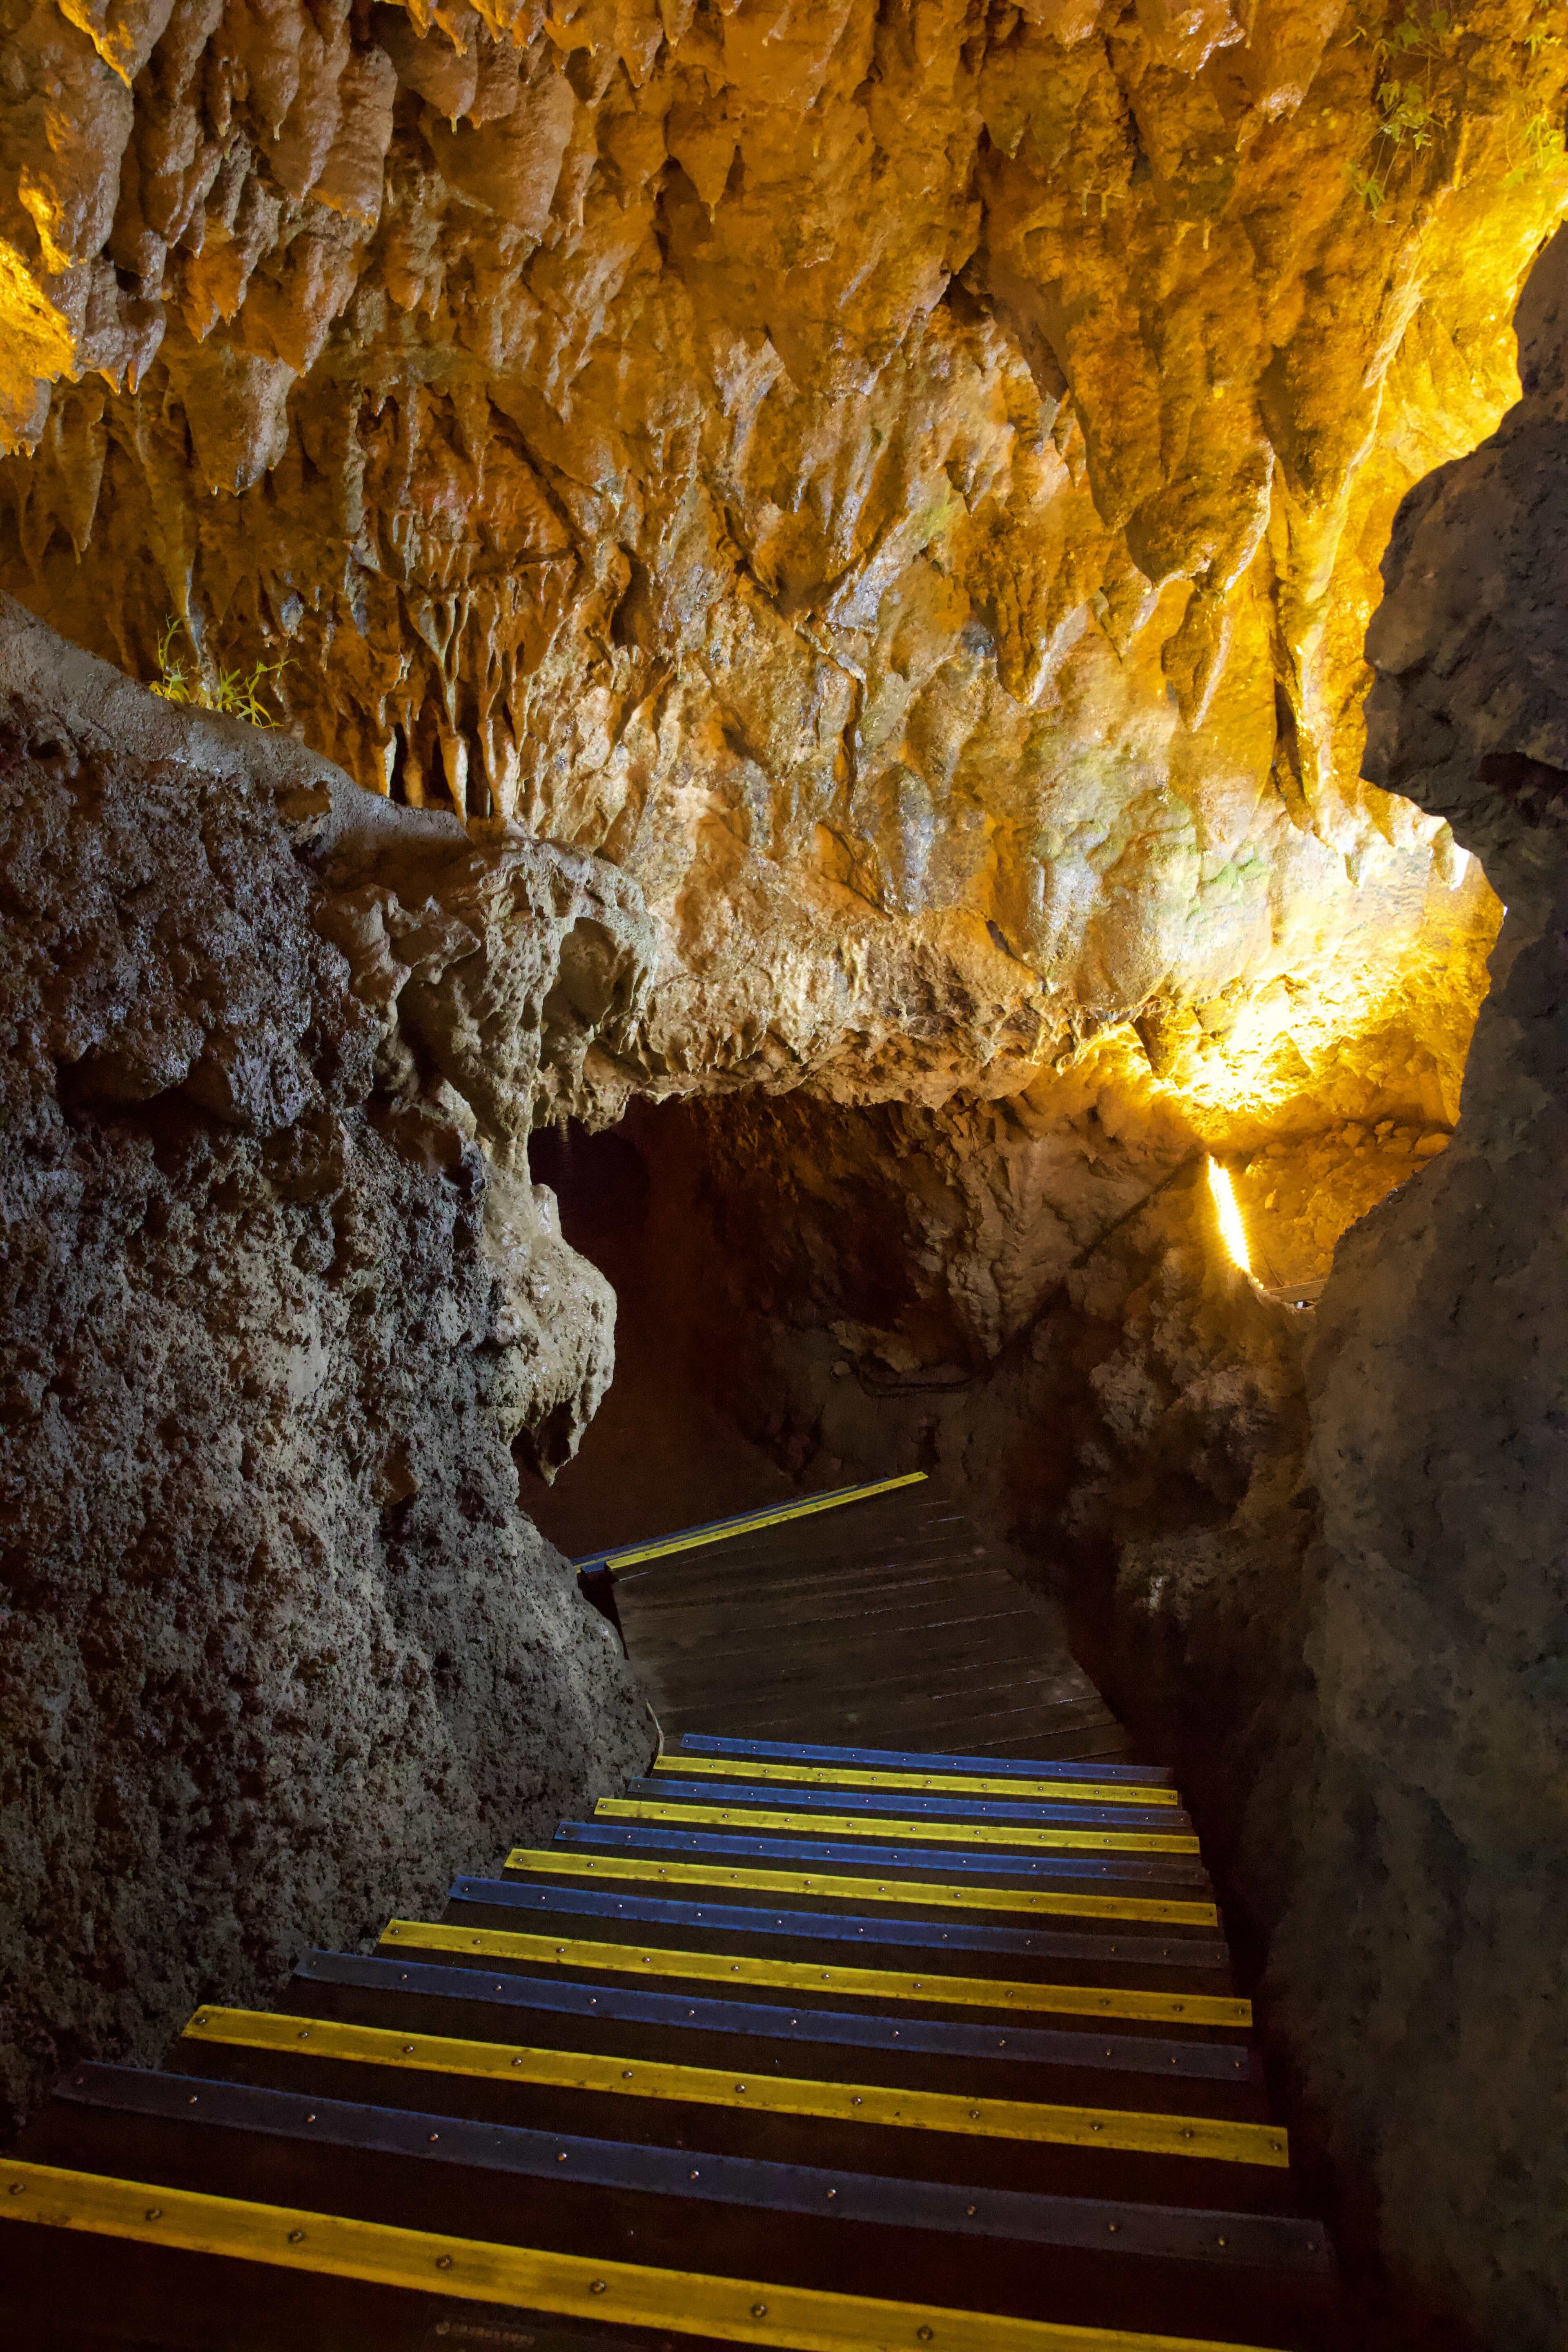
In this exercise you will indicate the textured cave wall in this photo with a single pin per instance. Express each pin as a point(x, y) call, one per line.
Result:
point(1366, 1654)
point(904, 483)
point(279, 1652)
point(1316, 1555)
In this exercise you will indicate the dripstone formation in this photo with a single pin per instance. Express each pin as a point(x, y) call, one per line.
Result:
point(903, 483)
point(277, 1646)
point(837, 539)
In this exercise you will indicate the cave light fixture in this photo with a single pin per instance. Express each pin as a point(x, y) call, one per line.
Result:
point(1228, 1210)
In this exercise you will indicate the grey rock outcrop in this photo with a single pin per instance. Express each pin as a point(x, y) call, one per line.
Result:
point(279, 1651)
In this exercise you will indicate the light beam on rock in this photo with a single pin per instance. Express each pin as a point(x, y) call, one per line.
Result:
point(1227, 1209)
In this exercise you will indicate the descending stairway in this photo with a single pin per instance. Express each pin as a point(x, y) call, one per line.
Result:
point(792, 2045)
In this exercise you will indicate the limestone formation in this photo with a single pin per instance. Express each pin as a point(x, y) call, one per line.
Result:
point(1367, 1635)
point(902, 482)
point(279, 1650)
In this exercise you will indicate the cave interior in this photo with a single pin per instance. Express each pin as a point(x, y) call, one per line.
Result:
point(749, 749)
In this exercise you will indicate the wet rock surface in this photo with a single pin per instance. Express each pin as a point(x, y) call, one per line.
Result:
point(279, 1651)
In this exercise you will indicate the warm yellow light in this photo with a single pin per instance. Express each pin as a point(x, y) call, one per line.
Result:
point(1232, 1232)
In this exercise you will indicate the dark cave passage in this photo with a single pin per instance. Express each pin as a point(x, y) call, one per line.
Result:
point(660, 1453)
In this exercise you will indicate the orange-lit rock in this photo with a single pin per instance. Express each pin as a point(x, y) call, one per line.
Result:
point(904, 487)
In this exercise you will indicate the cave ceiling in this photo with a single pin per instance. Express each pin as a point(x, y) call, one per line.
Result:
point(904, 483)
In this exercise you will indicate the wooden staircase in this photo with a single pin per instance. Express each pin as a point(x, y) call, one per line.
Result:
point(791, 2044)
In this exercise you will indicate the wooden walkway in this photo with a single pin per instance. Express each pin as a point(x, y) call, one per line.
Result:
point(797, 2045)
point(882, 1621)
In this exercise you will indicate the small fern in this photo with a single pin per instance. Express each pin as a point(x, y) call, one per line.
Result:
point(234, 692)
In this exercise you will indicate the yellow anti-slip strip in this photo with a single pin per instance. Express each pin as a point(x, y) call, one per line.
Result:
point(803, 1976)
point(725, 1530)
point(850, 2103)
point(947, 1784)
point(565, 1862)
point(686, 2303)
point(888, 1825)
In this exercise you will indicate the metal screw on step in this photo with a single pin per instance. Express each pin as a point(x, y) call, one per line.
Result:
point(924, 2334)
point(1113, 2227)
point(759, 2310)
point(408, 2048)
point(155, 2212)
point(443, 2261)
point(597, 2287)
point(434, 2137)
point(295, 2236)
point(17, 2187)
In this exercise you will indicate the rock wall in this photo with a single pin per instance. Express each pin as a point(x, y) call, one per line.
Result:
point(904, 483)
point(1315, 1552)
point(279, 1651)
point(1379, 1626)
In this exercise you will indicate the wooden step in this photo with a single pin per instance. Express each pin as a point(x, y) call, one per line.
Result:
point(798, 2042)
point(801, 2225)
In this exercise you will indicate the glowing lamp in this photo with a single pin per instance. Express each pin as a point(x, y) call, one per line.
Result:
point(1228, 1210)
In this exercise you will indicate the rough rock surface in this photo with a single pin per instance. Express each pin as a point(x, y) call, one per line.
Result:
point(903, 482)
point(1315, 1555)
point(1378, 1631)
point(278, 1650)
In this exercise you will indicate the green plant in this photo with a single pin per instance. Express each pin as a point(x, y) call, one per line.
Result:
point(1542, 147)
point(233, 692)
point(1411, 110)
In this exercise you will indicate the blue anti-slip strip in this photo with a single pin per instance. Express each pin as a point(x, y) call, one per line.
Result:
point(899, 1805)
point(828, 1927)
point(1180, 1872)
point(893, 1760)
point(562, 1996)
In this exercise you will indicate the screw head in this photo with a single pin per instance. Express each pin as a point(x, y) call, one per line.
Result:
point(597, 2287)
point(155, 2212)
point(759, 2310)
point(443, 2261)
point(295, 2236)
